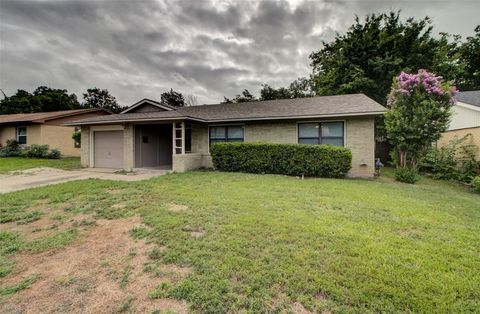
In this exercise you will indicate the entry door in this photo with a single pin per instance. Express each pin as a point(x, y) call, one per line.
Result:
point(149, 147)
point(108, 149)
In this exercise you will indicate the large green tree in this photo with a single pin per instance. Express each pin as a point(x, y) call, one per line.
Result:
point(300, 88)
point(470, 60)
point(100, 98)
point(374, 51)
point(173, 98)
point(42, 99)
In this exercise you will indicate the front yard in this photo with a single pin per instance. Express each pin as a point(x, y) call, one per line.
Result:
point(17, 163)
point(228, 242)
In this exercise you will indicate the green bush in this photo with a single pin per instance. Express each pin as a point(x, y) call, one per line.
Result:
point(453, 161)
point(406, 175)
point(35, 151)
point(54, 154)
point(476, 184)
point(12, 149)
point(289, 159)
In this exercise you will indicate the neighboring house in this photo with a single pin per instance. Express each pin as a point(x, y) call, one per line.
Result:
point(465, 119)
point(46, 128)
point(150, 134)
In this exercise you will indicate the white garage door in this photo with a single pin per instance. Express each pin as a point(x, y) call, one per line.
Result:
point(108, 149)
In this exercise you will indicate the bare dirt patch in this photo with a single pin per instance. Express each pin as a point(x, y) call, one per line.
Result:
point(298, 308)
point(177, 207)
point(101, 272)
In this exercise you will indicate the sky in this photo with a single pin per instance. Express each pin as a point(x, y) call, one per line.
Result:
point(207, 48)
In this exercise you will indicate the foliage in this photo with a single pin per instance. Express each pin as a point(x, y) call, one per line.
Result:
point(77, 137)
point(54, 154)
point(419, 111)
point(470, 60)
point(100, 98)
point(245, 96)
point(11, 149)
point(43, 99)
point(476, 184)
point(173, 98)
point(300, 88)
point(35, 151)
point(309, 160)
point(453, 161)
point(406, 175)
point(372, 52)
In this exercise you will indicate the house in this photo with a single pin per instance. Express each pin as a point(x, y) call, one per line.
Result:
point(46, 128)
point(465, 119)
point(151, 134)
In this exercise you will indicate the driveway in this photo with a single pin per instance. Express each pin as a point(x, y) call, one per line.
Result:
point(20, 180)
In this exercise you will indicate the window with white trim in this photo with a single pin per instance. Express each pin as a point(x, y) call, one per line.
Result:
point(321, 133)
point(22, 135)
point(226, 133)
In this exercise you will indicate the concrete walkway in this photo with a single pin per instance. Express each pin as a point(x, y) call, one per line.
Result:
point(20, 180)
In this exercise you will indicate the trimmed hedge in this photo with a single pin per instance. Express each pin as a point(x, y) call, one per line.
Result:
point(289, 159)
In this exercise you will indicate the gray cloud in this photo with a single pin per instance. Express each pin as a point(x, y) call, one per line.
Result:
point(208, 48)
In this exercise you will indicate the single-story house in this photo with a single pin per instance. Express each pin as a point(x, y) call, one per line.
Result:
point(46, 128)
point(151, 134)
point(465, 119)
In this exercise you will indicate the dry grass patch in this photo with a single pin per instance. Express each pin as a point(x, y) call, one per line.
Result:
point(100, 272)
point(177, 207)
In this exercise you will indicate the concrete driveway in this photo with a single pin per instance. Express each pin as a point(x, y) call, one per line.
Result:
point(20, 180)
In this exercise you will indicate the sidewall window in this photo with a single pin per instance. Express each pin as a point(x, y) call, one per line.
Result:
point(332, 133)
point(22, 135)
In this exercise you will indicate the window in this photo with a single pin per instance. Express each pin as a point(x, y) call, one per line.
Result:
point(228, 133)
point(22, 135)
point(188, 138)
point(321, 133)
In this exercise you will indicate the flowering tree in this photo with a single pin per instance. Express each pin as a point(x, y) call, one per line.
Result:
point(419, 111)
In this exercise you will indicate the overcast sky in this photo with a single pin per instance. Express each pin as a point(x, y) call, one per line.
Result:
point(140, 48)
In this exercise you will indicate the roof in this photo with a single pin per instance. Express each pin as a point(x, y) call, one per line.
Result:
point(41, 117)
point(151, 102)
point(470, 97)
point(297, 108)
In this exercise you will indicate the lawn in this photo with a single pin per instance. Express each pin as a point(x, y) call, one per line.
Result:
point(16, 163)
point(264, 243)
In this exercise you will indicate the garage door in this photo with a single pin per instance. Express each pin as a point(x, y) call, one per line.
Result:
point(108, 149)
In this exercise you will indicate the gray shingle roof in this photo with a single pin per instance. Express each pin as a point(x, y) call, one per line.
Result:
point(470, 97)
point(322, 106)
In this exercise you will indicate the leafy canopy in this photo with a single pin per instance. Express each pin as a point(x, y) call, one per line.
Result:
point(419, 111)
point(100, 98)
point(372, 52)
point(173, 98)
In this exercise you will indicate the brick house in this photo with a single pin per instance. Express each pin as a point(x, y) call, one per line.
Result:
point(151, 134)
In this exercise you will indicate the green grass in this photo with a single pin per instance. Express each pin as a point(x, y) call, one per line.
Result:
point(24, 284)
point(348, 246)
point(16, 163)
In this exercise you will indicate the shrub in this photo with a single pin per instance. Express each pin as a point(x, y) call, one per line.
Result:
point(289, 159)
point(35, 151)
point(453, 161)
point(476, 184)
point(406, 175)
point(12, 149)
point(54, 154)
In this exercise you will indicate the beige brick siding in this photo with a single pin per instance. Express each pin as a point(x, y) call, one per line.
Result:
point(7, 133)
point(85, 150)
point(474, 139)
point(360, 138)
point(60, 137)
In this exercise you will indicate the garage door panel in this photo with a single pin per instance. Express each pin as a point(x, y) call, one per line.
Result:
point(108, 149)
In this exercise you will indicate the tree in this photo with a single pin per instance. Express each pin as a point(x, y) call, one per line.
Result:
point(419, 111)
point(100, 98)
point(173, 98)
point(470, 58)
point(300, 88)
point(245, 96)
point(269, 93)
point(43, 99)
point(373, 52)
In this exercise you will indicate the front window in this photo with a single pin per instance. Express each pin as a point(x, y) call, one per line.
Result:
point(321, 133)
point(22, 135)
point(228, 133)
